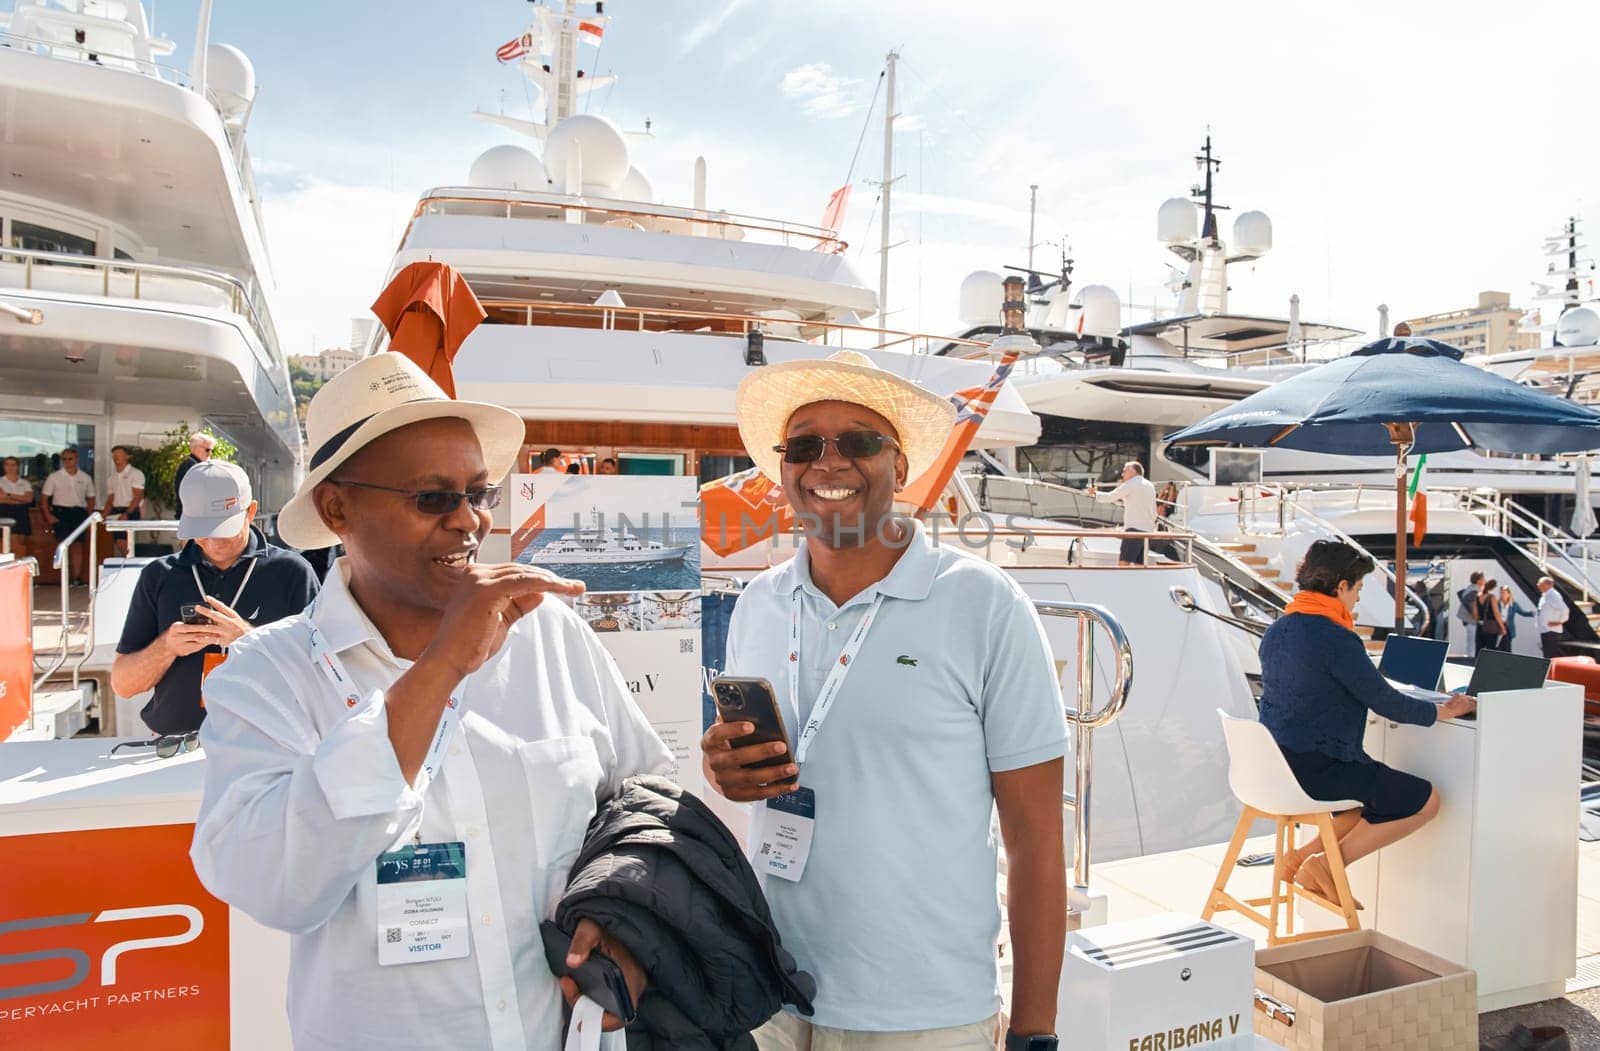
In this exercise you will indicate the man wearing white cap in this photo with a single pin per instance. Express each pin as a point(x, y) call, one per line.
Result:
point(432, 735)
point(920, 695)
point(189, 608)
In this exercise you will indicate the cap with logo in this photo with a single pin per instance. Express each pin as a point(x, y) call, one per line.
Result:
point(215, 496)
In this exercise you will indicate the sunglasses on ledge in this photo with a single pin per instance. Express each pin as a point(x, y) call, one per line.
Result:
point(440, 501)
point(166, 745)
point(852, 445)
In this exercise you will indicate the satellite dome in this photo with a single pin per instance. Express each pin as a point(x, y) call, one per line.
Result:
point(1177, 222)
point(507, 168)
point(1102, 310)
point(636, 187)
point(1578, 327)
point(979, 300)
point(600, 145)
point(231, 78)
point(1252, 233)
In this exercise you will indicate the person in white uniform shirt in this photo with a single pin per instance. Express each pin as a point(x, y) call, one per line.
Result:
point(16, 497)
point(429, 715)
point(920, 698)
point(1138, 499)
point(1552, 618)
point(124, 493)
point(68, 497)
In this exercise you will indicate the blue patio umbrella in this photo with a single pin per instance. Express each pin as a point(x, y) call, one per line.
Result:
point(1403, 396)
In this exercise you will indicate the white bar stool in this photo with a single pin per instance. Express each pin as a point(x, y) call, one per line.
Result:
point(1261, 779)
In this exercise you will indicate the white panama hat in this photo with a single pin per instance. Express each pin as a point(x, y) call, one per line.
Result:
point(770, 395)
point(376, 395)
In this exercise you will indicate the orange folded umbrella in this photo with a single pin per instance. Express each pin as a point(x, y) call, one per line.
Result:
point(429, 310)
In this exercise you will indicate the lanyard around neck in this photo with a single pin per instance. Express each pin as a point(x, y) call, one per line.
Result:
point(234, 604)
point(835, 680)
point(333, 669)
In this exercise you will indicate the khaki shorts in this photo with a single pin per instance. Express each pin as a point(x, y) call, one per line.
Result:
point(785, 1032)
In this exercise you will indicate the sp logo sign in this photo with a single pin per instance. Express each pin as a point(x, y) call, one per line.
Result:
point(80, 961)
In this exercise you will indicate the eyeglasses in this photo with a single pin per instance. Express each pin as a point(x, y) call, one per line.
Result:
point(166, 745)
point(440, 501)
point(852, 445)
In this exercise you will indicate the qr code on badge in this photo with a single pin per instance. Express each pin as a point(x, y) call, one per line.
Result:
point(392, 935)
point(686, 645)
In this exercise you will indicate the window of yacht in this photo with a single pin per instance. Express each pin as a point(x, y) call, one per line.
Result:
point(33, 237)
point(714, 467)
point(37, 445)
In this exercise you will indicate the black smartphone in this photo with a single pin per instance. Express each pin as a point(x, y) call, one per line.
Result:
point(599, 977)
point(752, 701)
point(189, 611)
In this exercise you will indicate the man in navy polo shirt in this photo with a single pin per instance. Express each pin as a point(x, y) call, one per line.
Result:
point(229, 579)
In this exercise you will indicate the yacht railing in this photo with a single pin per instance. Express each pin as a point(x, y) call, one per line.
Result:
point(154, 282)
point(1086, 718)
point(658, 218)
point(109, 57)
point(1542, 540)
point(660, 319)
point(62, 564)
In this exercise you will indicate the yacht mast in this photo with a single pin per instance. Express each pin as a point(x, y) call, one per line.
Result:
point(887, 184)
point(1033, 208)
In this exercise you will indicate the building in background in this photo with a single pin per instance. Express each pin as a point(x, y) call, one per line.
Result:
point(323, 367)
point(1491, 327)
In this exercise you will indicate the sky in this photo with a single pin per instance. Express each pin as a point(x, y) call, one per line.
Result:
point(1409, 153)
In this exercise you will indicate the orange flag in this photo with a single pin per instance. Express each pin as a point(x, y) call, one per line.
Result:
point(972, 405)
point(429, 310)
point(741, 510)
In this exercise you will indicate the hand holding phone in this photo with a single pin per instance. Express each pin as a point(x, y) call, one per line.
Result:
point(747, 755)
point(190, 613)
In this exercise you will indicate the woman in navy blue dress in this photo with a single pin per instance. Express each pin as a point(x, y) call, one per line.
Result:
point(1319, 683)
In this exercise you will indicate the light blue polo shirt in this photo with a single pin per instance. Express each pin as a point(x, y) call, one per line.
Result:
point(897, 914)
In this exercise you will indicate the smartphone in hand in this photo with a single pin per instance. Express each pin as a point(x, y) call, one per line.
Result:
point(752, 701)
point(190, 614)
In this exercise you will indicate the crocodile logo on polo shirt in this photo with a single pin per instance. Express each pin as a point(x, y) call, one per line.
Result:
point(910, 662)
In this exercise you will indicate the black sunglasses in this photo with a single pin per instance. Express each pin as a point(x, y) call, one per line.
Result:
point(852, 445)
point(166, 745)
point(440, 501)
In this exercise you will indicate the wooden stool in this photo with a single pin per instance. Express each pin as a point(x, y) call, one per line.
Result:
point(1263, 782)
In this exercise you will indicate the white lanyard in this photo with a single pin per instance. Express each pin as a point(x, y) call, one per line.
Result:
point(234, 605)
point(835, 680)
point(334, 671)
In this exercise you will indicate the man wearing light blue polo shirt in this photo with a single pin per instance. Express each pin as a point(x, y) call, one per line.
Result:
point(920, 694)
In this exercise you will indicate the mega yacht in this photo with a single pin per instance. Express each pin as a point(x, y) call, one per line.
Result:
point(605, 546)
point(135, 285)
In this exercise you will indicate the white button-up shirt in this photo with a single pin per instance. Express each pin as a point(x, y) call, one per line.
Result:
point(122, 485)
point(302, 795)
point(69, 488)
point(1552, 612)
point(1138, 499)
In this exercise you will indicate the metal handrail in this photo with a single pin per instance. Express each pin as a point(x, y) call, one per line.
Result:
point(1425, 620)
point(241, 300)
point(60, 561)
point(1088, 615)
point(746, 322)
point(1187, 602)
point(1547, 536)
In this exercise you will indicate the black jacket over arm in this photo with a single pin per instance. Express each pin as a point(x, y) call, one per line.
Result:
point(660, 874)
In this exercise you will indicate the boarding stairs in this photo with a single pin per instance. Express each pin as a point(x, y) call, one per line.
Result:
point(1571, 561)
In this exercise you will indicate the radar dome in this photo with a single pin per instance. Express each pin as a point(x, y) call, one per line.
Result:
point(1578, 327)
point(231, 78)
point(599, 144)
point(1252, 233)
point(980, 298)
point(636, 187)
point(1102, 310)
point(1177, 222)
point(507, 168)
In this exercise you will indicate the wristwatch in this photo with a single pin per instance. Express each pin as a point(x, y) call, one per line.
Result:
point(1017, 1042)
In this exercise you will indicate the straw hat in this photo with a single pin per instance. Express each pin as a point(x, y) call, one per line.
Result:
point(369, 399)
point(770, 395)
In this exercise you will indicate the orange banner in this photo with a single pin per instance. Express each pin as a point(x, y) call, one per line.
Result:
point(16, 646)
point(741, 510)
point(107, 939)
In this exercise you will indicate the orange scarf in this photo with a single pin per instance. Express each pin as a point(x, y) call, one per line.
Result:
point(1319, 605)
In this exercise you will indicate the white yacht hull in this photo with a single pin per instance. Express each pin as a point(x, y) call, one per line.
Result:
point(617, 558)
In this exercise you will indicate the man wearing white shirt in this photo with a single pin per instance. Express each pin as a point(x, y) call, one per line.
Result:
point(16, 497)
point(124, 493)
point(426, 708)
point(1552, 617)
point(68, 497)
point(1138, 499)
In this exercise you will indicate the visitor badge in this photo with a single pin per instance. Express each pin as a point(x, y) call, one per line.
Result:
point(786, 839)
point(422, 903)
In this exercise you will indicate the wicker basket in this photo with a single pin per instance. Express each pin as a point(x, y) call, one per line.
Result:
point(1364, 991)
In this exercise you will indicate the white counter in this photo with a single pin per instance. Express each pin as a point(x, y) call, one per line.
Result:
point(1492, 882)
point(137, 951)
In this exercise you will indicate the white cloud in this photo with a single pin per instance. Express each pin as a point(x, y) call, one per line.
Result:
point(704, 29)
point(821, 92)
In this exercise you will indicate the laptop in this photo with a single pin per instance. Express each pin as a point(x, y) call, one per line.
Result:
point(1413, 661)
point(1497, 671)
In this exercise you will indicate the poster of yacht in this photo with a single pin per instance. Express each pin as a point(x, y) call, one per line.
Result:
point(635, 543)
